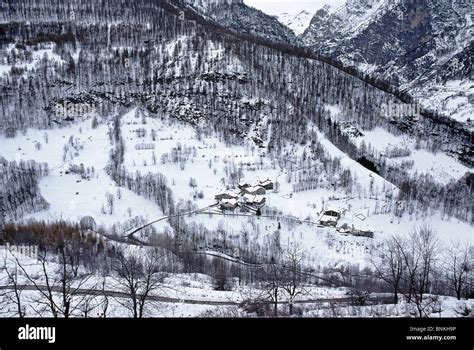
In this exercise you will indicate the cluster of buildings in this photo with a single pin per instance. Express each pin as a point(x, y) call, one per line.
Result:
point(249, 197)
point(330, 217)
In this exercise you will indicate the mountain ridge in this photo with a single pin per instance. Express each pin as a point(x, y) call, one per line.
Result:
point(428, 37)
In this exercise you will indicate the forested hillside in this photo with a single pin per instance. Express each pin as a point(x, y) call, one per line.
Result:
point(181, 68)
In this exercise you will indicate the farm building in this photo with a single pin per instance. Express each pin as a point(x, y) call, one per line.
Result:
point(254, 190)
point(266, 184)
point(330, 217)
point(347, 230)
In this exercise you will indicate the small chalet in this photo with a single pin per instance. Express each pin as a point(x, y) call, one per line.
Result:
point(330, 217)
point(226, 195)
point(267, 184)
point(254, 190)
point(228, 204)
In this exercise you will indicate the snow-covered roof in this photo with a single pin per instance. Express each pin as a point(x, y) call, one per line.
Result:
point(254, 188)
point(227, 194)
point(229, 201)
point(328, 218)
point(250, 198)
point(265, 182)
point(337, 210)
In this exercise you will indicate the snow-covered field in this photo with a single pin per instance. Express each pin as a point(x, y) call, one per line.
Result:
point(197, 167)
point(446, 307)
point(70, 196)
point(441, 166)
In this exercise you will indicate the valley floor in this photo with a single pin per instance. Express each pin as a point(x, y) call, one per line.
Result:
point(197, 168)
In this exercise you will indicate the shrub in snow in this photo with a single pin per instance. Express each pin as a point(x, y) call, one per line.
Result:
point(463, 309)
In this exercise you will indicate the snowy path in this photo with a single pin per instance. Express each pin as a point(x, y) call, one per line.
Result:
point(130, 235)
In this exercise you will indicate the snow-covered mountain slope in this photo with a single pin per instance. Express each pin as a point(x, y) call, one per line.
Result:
point(204, 5)
point(424, 47)
point(297, 22)
point(331, 25)
point(237, 16)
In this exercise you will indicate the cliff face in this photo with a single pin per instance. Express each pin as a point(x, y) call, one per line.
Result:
point(330, 26)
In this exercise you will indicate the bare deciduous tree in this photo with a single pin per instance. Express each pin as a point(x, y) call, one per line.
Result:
point(13, 289)
point(457, 266)
point(293, 281)
point(284, 276)
point(420, 252)
point(273, 282)
point(139, 274)
point(61, 288)
point(391, 268)
point(61, 277)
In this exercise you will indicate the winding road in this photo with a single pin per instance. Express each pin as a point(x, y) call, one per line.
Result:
point(164, 299)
